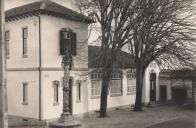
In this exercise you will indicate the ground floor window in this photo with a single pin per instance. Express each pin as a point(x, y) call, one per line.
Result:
point(25, 93)
point(116, 84)
point(78, 87)
point(96, 85)
point(131, 81)
point(56, 85)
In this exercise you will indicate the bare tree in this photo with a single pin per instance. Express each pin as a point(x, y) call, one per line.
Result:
point(164, 31)
point(113, 17)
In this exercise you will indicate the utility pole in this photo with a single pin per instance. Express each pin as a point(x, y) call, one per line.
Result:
point(3, 85)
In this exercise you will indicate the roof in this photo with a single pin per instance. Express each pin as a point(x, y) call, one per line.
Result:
point(123, 59)
point(45, 7)
point(181, 73)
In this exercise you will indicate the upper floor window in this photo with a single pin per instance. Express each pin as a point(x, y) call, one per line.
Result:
point(24, 36)
point(7, 43)
point(131, 81)
point(96, 85)
point(68, 42)
point(116, 84)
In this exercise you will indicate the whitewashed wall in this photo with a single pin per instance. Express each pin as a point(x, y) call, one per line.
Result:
point(152, 68)
point(16, 59)
point(15, 94)
point(113, 101)
point(51, 46)
point(23, 69)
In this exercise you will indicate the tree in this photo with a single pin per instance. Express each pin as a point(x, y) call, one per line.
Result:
point(164, 31)
point(113, 17)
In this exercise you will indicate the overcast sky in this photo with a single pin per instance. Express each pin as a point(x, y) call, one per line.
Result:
point(14, 3)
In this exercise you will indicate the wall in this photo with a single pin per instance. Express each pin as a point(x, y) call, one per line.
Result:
point(113, 101)
point(51, 63)
point(51, 111)
point(152, 68)
point(16, 59)
point(50, 42)
point(171, 83)
point(15, 94)
point(23, 69)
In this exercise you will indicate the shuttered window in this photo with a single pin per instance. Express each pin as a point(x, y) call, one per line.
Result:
point(7, 41)
point(68, 43)
point(73, 44)
point(131, 81)
point(25, 36)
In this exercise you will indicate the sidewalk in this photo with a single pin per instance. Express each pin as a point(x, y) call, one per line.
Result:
point(123, 117)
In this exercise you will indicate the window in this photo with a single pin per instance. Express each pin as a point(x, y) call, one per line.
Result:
point(56, 91)
point(116, 84)
point(7, 41)
point(68, 42)
point(25, 35)
point(25, 93)
point(96, 85)
point(131, 81)
point(78, 87)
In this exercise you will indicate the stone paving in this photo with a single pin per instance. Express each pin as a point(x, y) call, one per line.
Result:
point(123, 117)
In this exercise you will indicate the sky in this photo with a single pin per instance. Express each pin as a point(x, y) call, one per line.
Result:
point(15, 3)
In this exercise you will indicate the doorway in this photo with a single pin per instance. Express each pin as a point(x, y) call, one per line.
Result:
point(163, 93)
point(179, 96)
point(152, 87)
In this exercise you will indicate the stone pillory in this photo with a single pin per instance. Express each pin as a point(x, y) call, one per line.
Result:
point(47, 8)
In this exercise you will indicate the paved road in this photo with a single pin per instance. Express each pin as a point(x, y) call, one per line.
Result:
point(177, 123)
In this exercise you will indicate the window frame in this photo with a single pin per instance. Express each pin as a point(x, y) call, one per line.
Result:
point(78, 91)
point(7, 43)
point(56, 85)
point(131, 78)
point(96, 83)
point(25, 93)
point(116, 76)
point(25, 42)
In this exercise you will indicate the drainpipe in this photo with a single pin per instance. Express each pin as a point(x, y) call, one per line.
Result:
point(40, 69)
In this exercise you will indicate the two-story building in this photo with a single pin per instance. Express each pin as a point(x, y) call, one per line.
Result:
point(34, 71)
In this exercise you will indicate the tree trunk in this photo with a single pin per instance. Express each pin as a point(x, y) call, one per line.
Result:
point(194, 90)
point(139, 85)
point(104, 92)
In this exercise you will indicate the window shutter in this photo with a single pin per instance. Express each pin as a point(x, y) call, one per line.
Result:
point(68, 45)
point(62, 43)
point(73, 44)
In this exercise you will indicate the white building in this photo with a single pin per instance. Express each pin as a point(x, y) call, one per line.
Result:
point(34, 65)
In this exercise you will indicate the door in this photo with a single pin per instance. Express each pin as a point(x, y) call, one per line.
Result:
point(163, 93)
point(70, 95)
point(179, 96)
point(152, 87)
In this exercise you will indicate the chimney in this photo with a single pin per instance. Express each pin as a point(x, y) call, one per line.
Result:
point(43, 5)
